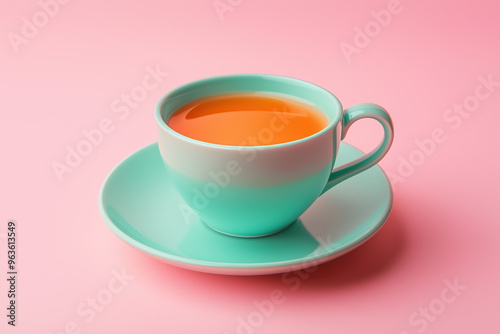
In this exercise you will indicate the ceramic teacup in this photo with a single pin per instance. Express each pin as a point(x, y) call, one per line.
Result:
point(251, 191)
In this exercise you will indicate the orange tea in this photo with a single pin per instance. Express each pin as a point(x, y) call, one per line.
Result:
point(248, 119)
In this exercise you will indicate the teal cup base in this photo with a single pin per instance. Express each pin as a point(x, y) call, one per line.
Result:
point(250, 236)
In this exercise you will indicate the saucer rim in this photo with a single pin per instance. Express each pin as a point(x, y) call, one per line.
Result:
point(241, 268)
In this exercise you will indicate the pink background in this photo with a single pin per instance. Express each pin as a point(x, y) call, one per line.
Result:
point(445, 222)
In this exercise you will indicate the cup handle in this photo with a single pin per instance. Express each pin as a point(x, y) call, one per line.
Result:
point(351, 115)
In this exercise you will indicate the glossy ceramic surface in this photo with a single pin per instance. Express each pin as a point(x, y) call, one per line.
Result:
point(251, 191)
point(140, 205)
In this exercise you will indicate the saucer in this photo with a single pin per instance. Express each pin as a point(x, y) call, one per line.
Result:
point(140, 205)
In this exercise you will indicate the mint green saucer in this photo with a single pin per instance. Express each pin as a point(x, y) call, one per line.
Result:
point(140, 205)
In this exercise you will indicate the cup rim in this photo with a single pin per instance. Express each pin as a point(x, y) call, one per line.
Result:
point(163, 125)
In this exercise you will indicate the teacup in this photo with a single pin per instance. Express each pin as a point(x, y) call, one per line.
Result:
point(252, 191)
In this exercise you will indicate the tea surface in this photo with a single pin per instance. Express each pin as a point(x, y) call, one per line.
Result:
point(247, 119)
